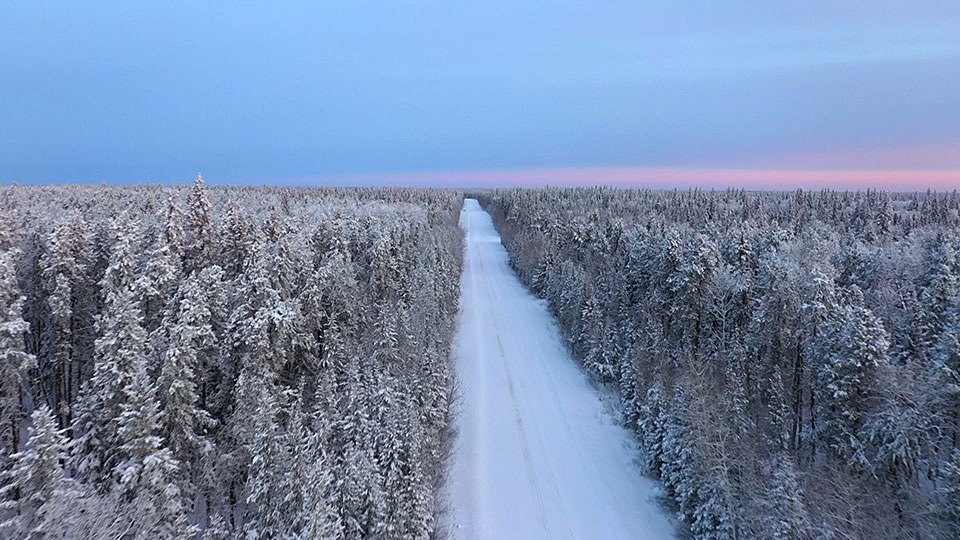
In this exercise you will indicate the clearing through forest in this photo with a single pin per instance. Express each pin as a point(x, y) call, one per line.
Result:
point(537, 455)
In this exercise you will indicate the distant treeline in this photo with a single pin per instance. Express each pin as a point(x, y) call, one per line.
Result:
point(790, 361)
point(178, 362)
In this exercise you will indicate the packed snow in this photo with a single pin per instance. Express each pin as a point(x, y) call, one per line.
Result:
point(537, 454)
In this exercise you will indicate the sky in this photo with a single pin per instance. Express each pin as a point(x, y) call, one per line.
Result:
point(657, 93)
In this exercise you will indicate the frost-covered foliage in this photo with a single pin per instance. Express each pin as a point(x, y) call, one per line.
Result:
point(790, 361)
point(197, 362)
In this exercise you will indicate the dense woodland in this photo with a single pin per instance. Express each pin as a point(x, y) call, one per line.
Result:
point(194, 362)
point(789, 361)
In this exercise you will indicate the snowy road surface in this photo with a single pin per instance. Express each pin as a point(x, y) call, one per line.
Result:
point(537, 455)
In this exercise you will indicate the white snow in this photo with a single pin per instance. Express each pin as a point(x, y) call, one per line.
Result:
point(537, 454)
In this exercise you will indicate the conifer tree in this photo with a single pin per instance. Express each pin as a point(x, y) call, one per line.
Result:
point(147, 471)
point(199, 230)
point(948, 494)
point(269, 489)
point(14, 360)
point(846, 375)
point(783, 510)
point(66, 270)
point(123, 343)
point(163, 272)
point(237, 242)
point(35, 476)
point(191, 366)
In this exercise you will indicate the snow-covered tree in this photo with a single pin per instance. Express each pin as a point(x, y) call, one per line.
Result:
point(14, 360)
point(65, 271)
point(784, 514)
point(147, 471)
point(856, 349)
point(268, 485)
point(199, 230)
point(35, 476)
point(121, 345)
point(192, 356)
point(163, 272)
point(237, 241)
point(948, 494)
point(940, 291)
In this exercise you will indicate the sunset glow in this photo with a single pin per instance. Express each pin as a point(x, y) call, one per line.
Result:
point(661, 178)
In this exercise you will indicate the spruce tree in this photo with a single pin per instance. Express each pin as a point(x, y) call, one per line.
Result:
point(65, 271)
point(35, 476)
point(192, 357)
point(123, 343)
point(146, 470)
point(14, 360)
point(199, 230)
point(162, 274)
point(948, 494)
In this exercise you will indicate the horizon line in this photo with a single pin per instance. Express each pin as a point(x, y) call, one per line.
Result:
point(653, 177)
point(903, 180)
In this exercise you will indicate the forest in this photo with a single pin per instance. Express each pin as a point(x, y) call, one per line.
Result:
point(215, 362)
point(253, 362)
point(789, 361)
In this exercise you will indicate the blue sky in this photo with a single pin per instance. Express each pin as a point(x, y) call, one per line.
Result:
point(303, 92)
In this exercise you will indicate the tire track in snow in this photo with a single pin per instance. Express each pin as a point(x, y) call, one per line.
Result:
point(561, 506)
point(525, 444)
point(574, 440)
point(480, 463)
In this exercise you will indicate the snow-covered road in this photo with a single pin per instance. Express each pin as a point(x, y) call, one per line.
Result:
point(537, 454)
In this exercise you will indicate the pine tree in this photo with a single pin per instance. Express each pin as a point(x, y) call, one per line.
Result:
point(362, 504)
point(260, 324)
point(885, 214)
point(409, 511)
point(77, 512)
point(940, 290)
point(333, 293)
point(322, 520)
point(945, 369)
point(122, 342)
point(313, 513)
point(386, 341)
point(817, 316)
point(592, 338)
point(217, 529)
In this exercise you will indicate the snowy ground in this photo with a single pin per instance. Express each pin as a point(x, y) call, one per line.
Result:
point(537, 455)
